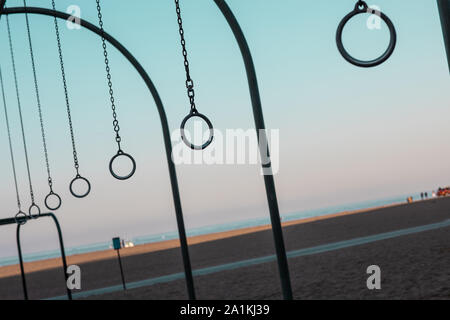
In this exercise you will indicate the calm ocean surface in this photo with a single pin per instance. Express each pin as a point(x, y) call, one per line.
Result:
point(210, 229)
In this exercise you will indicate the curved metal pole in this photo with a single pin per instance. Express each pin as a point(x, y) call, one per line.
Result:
point(22, 271)
point(444, 12)
point(261, 133)
point(61, 247)
point(63, 253)
point(164, 124)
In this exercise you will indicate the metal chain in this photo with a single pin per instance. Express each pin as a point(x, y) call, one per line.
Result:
point(66, 94)
point(41, 120)
point(189, 81)
point(20, 110)
point(108, 76)
point(13, 162)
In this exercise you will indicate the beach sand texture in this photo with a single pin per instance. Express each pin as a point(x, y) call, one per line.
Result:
point(413, 266)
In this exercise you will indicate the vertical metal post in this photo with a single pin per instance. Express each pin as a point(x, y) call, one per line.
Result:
point(63, 254)
point(121, 270)
point(444, 12)
point(22, 271)
point(261, 133)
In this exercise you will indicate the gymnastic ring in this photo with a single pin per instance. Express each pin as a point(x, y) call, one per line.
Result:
point(58, 203)
point(78, 177)
point(21, 218)
point(372, 63)
point(33, 205)
point(120, 153)
point(193, 114)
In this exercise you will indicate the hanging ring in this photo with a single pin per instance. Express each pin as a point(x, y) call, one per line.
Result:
point(21, 218)
point(362, 7)
point(58, 203)
point(193, 114)
point(120, 153)
point(33, 205)
point(78, 177)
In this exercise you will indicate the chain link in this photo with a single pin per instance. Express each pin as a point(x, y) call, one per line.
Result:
point(189, 81)
point(66, 93)
point(108, 76)
point(20, 110)
point(36, 87)
point(13, 162)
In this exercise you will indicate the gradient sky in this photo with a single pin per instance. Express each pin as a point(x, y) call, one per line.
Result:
point(347, 134)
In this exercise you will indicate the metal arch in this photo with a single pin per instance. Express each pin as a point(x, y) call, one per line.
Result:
point(164, 124)
point(19, 249)
point(259, 125)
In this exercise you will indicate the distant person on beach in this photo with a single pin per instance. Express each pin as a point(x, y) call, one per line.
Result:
point(426, 195)
point(433, 194)
point(421, 195)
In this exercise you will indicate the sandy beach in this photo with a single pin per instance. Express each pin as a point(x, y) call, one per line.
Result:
point(414, 266)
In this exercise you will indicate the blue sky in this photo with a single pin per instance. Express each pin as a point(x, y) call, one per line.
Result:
point(347, 134)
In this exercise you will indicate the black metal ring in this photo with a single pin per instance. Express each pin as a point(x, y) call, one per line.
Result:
point(58, 203)
point(120, 153)
point(211, 131)
point(21, 220)
point(372, 63)
point(78, 177)
point(34, 205)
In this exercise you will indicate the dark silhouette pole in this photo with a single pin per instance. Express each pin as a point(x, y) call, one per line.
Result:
point(22, 271)
point(121, 270)
point(444, 12)
point(117, 245)
point(164, 124)
point(2, 5)
point(261, 133)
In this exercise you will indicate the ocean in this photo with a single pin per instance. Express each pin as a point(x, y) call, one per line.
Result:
point(210, 229)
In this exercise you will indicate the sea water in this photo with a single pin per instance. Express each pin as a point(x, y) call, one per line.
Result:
point(210, 229)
